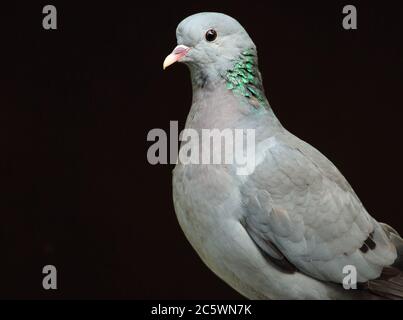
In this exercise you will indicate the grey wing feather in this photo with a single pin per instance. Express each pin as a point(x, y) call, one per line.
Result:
point(298, 202)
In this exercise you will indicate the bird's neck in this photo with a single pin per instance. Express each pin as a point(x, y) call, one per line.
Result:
point(240, 76)
point(233, 98)
point(244, 79)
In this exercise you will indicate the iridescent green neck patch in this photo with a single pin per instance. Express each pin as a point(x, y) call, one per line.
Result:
point(244, 79)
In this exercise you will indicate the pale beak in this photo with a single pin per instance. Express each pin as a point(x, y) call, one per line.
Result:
point(178, 53)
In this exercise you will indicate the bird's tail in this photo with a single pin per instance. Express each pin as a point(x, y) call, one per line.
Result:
point(390, 284)
point(397, 240)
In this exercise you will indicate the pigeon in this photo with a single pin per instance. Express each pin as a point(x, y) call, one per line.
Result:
point(293, 226)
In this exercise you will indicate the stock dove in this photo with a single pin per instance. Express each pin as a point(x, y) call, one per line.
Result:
point(289, 228)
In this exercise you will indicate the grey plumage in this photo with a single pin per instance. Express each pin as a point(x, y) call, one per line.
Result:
point(287, 230)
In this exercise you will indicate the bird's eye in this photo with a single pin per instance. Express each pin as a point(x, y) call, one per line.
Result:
point(211, 35)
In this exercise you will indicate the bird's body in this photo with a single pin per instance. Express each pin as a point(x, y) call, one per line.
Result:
point(287, 230)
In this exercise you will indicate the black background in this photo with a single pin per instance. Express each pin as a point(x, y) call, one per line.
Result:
point(76, 105)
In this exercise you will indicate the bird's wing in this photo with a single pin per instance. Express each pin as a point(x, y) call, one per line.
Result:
point(301, 212)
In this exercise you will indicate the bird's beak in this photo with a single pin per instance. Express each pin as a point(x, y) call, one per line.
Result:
point(178, 53)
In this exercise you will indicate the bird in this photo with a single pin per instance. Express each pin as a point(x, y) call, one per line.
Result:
point(288, 229)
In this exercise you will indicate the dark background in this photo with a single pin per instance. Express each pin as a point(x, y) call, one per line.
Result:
point(76, 105)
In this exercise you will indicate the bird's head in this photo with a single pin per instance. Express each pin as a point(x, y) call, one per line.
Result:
point(209, 42)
